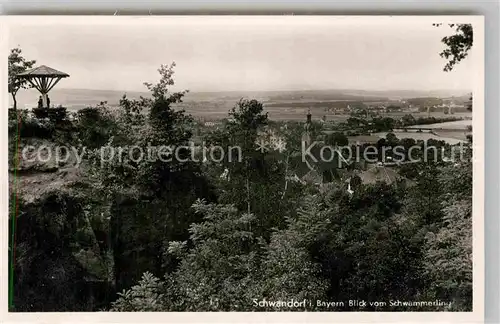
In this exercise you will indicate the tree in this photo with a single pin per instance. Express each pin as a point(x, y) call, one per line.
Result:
point(448, 250)
point(365, 249)
point(18, 64)
point(144, 297)
point(257, 176)
point(216, 273)
point(408, 120)
point(448, 259)
point(427, 193)
point(457, 45)
point(149, 193)
point(224, 266)
point(337, 139)
point(95, 126)
point(469, 104)
point(392, 139)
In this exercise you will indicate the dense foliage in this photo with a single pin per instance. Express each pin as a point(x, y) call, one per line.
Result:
point(222, 235)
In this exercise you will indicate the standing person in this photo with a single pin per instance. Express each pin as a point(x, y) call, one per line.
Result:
point(40, 102)
point(48, 102)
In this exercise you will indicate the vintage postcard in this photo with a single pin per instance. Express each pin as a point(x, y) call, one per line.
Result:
point(199, 168)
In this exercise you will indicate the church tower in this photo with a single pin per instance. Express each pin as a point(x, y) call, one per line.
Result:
point(306, 136)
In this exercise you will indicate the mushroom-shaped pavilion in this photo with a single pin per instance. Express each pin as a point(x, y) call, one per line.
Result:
point(43, 78)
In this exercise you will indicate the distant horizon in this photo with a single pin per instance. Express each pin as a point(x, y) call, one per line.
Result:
point(464, 91)
point(84, 97)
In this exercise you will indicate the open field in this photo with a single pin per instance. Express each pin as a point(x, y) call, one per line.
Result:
point(456, 139)
point(458, 124)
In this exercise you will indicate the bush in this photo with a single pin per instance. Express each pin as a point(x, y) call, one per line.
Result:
point(95, 126)
point(40, 129)
point(26, 126)
point(54, 114)
point(144, 297)
point(13, 113)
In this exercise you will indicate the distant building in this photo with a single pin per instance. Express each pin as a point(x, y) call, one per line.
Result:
point(378, 174)
point(211, 123)
point(362, 139)
point(413, 109)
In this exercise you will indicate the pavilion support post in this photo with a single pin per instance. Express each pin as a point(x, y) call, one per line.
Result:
point(44, 100)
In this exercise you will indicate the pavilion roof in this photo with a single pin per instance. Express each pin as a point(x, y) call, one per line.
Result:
point(43, 71)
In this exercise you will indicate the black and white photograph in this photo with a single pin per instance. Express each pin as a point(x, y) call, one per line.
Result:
point(244, 164)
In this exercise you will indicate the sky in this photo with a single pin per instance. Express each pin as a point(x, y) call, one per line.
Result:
point(245, 54)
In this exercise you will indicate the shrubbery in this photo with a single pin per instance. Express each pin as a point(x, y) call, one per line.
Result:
point(95, 126)
point(55, 114)
point(24, 124)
